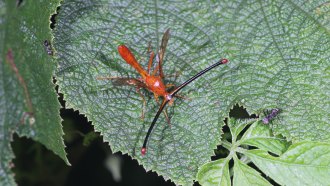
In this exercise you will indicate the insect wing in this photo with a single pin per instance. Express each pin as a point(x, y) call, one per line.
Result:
point(127, 81)
point(163, 45)
point(161, 52)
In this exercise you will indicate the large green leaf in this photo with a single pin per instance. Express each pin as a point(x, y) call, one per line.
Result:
point(305, 163)
point(281, 52)
point(28, 102)
point(247, 176)
point(214, 173)
point(260, 136)
point(278, 52)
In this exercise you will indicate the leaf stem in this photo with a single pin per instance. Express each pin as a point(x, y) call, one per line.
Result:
point(226, 144)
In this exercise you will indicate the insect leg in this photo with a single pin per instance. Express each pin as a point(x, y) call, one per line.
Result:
point(143, 100)
point(152, 54)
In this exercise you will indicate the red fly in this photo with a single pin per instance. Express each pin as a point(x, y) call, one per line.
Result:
point(154, 81)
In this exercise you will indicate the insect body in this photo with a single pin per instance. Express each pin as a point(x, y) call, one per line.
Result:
point(273, 113)
point(151, 82)
point(154, 81)
point(48, 47)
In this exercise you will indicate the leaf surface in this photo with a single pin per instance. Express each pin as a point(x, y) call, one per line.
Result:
point(247, 176)
point(278, 52)
point(259, 135)
point(305, 163)
point(215, 173)
point(28, 101)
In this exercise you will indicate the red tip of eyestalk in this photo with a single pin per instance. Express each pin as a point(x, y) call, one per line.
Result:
point(224, 61)
point(143, 151)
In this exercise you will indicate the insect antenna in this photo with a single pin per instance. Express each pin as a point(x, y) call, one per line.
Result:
point(171, 95)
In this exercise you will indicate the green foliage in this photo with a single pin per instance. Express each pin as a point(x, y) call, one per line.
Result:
point(268, 58)
point(303, 163)
point(28, 102)
point(215, 173)
point(278, 54)
point(245, 175)
point(279, 58)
